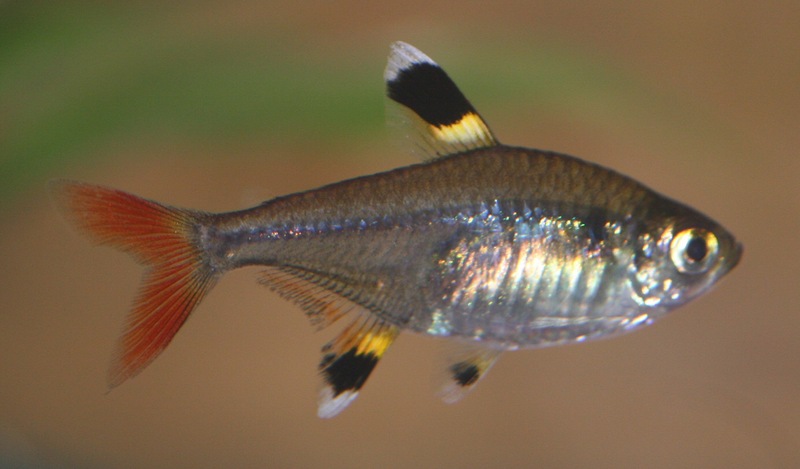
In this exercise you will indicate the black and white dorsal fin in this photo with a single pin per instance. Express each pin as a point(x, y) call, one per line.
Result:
point(442, 119)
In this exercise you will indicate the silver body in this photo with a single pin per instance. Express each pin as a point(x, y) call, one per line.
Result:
point(519, 259)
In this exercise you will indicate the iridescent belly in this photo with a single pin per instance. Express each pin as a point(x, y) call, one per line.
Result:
point(516, 276)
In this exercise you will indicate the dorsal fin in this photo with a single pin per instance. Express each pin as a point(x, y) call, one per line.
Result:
point(442, 120)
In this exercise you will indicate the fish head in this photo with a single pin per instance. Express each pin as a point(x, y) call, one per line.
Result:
point(680, 255)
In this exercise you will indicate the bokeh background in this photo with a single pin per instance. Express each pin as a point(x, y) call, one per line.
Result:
point(219, 105)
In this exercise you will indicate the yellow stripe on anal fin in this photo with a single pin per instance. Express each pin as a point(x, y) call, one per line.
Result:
point(377, 342)
point(470, 132)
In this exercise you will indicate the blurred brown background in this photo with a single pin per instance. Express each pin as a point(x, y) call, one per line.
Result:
point(221, 105)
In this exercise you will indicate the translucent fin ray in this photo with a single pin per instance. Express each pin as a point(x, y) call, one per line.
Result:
point(320, 297)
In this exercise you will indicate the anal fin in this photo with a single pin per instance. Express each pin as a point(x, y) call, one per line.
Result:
point(348, 360)
point(321, 298)
point(466, 365)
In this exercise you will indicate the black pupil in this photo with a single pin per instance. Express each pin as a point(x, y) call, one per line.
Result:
point(696, 249)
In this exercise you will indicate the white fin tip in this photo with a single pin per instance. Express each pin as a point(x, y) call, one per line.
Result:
point(330, 406)
point(402, 56)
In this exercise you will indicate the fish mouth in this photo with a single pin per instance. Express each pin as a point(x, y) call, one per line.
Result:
point(732, 259)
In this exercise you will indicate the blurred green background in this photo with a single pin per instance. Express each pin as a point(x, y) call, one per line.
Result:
point(221, 105)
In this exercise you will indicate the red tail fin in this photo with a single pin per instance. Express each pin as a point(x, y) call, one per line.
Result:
point(165, 240)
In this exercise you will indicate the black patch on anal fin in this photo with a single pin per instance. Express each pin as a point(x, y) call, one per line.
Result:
point(427, 90)
point(465, 373)
point(348, 372)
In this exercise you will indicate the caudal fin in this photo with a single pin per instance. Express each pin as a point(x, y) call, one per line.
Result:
point(162, 238)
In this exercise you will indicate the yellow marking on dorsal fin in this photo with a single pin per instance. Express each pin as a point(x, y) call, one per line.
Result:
point(471, 132)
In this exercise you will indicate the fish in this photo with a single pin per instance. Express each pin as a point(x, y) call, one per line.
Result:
point(492, 247)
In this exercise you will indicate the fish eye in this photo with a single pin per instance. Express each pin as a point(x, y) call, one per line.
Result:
point(693, 250)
